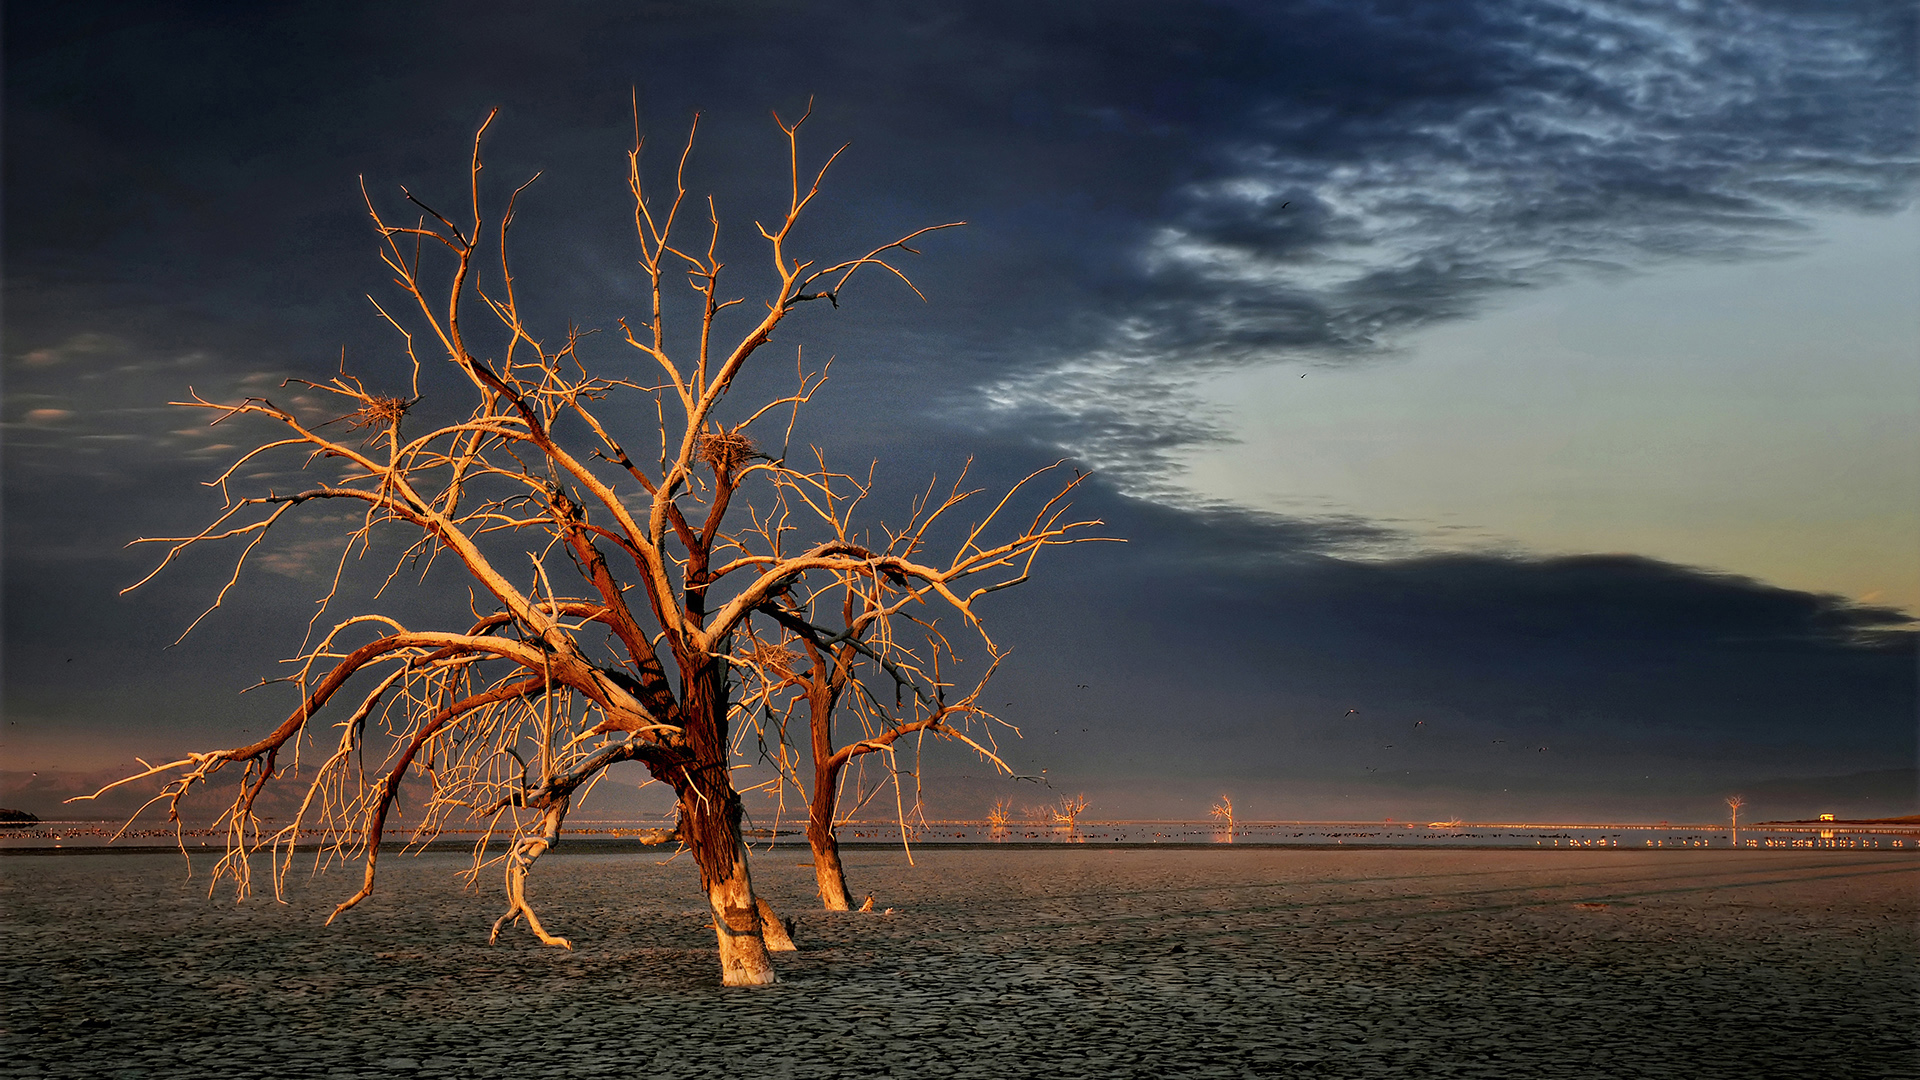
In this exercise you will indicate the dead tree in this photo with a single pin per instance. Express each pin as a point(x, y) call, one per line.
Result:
point(857, 668)
point(1223, 811)
point(615, 567)
point(1067, 811)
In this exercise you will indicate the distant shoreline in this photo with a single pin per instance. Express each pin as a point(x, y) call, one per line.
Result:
point(600, 824)
point(628, 847)
point(606, 836)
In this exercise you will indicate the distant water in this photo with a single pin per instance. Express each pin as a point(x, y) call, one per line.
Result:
point(1389, 834)
point(1287, 833)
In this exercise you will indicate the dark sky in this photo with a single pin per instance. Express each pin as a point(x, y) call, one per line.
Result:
point(1159, 196)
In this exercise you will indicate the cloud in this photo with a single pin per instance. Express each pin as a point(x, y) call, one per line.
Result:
point(83, 345)
point(1580, 138)
point(1235, 637)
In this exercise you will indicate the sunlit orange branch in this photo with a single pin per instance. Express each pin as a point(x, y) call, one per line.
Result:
point(383, 796)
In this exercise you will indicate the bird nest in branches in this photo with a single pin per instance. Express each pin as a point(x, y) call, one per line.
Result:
point(773, 659)
point(378, 412)
point(725, 451)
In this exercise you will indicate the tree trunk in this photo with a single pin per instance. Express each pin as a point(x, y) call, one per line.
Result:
point(710, 826)
point(832, 880)
point(826, 846)
point(736, 924)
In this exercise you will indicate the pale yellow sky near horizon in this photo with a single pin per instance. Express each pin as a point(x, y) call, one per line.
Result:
point(1758, 418)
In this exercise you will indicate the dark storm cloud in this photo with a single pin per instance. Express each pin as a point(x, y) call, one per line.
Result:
point(181, 209)
point(1639, 678)
point(1125, 166)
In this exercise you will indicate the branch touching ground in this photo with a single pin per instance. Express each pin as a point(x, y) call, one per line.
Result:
point(526, 851)
point(777, 931)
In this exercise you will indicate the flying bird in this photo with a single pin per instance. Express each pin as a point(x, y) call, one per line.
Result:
point(1286, 204)
point(1419, 723)
point(1353, 712)
point(1543, 749)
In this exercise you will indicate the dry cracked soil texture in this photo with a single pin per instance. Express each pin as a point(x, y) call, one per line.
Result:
point(997, 963)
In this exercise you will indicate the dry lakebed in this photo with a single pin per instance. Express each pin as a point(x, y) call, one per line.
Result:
point(1013, 962)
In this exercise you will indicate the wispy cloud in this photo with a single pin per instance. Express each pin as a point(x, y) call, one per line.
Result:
point(1593, 138)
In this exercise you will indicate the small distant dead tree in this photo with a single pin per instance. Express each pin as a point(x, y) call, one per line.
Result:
point(1734, 803)
point(1000, 814)
point(1223, 811)
point(1068, 810)
point(536, 472)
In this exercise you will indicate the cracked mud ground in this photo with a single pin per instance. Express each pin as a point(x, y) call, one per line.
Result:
point(1051, 963)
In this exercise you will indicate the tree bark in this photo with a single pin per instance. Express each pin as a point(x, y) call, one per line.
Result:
point(777, 932)
point(736, 923)
point(826, 863)
point(826, 792)
point(710, 825)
